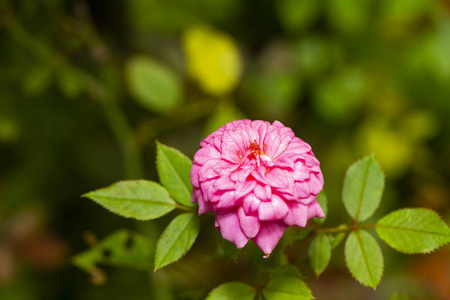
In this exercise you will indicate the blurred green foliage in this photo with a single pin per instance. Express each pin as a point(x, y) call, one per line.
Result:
point(86, 87)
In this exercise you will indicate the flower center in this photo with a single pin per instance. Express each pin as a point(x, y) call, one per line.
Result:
point(255, 150)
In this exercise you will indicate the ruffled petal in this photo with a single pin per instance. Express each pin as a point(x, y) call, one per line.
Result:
point(244, 188)
point(269, 235)
point(229, 226)
point(251, 204)
point(224, 183)
point(297, 215)
point(227, 201)
point(224, 168)
point(264, 193)
point(206, 172)
point(249, 223)
point(314, 210)
point(194, 175)
point(302, 189)
point(205, 154)
point(273, 210)
point(315, 185)
point(301, 172)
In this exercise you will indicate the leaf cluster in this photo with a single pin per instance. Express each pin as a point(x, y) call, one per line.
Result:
point(409, 230)
point(147, 200)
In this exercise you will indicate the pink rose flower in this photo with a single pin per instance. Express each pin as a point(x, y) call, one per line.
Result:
point(258, 178)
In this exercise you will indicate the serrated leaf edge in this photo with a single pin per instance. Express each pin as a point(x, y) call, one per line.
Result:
point(382, 266)
point(167, 251)
point(87, 195)
point(158, 154)
point(329, 241)
point(282, 292)
point(219, 286)
point(356, 218)
point(413, 253)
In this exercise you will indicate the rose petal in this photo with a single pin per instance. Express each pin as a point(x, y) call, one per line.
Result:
point(211, 139)
point(264, 193)
point(308, 200)
point(261, 129)
point(301, 189)
point(206, 172)
point(205, 154)
point(297, 215)
point(268, 236)
point(194, 175)
point(224, 183)
point(224, 168)
point(203, 206)
point(243, 188)
point(249, 223)
point(227, 201)
point(300, 212)
point(259, 174)
point(284, 141)
point(314, 184)
point(301, 172)
point(280, 178)
point(229, 226)
point(273, 210)
point(250, 204)
point(314, 210)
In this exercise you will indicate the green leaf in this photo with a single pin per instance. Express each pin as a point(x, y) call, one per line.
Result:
point(336, 240)
point(286, 288)
point(319, 253)
point(138, 199)
point(174, 173)
point(286, 270)
point(152, 84)
point(363, 187)
point(122, 248)
point(364, 258)
point(233, 291)
point(413, 230)
point(323, 202)
point(177, 239)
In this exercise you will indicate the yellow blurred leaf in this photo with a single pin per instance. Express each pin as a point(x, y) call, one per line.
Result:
point(212, 59)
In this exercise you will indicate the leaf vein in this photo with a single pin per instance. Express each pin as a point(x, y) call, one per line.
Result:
point(175, 172)
point(411, 229)
point(366, 262)
point(152, 202)
point(176, 239)
point(361, 193)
